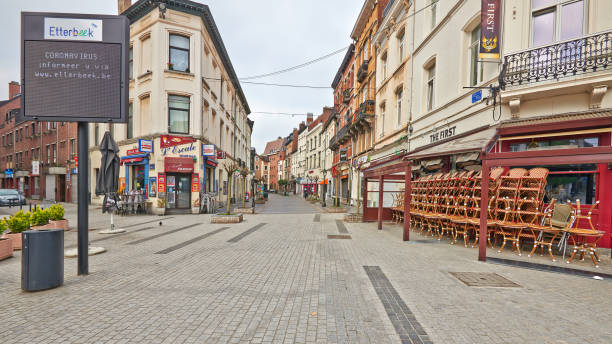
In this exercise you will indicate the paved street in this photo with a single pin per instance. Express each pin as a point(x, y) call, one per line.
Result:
point(278, 279)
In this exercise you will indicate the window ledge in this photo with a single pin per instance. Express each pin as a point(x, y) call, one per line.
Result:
point(144, 75)
point(180, 74)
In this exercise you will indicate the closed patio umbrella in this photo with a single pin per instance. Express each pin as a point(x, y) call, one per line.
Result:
point(107, 182)
point(108, 177)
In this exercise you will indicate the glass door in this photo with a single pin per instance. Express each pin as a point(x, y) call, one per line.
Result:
point(183, 191)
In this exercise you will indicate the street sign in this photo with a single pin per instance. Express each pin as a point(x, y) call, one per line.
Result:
point(145, 146)
point(476, 96)
point(221, 155)
point(74, 67)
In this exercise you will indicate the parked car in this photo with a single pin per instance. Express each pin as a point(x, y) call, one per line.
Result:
point(11, 197)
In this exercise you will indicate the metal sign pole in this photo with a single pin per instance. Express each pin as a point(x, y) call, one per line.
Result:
point(83, 187)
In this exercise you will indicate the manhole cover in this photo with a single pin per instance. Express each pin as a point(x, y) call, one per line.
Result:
point(338, 236)
point(484, 279)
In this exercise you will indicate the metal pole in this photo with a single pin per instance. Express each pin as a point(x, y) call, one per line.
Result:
point(83, 215)
point(484, 207)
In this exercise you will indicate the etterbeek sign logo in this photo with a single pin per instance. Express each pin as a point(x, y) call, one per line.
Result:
point(71, 29)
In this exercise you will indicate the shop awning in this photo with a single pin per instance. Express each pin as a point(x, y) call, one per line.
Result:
point(471, 143)
point(131, 160)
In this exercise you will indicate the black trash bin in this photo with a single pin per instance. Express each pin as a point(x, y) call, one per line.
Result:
point(42, 259)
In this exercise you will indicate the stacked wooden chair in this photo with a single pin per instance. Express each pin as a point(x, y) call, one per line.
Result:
point(584, 240)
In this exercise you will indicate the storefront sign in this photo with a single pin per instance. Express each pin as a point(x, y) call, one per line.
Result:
point(133, 152)
point(152, 187)
point(170, 141)
point(35, 168)
point(221, 155)
point(208, 150)
point(195, 183)
point(179, 165)
point(145, 146)
point(490, 19)
point(74, 67)
point(161, 183)
point(211, 162)
point(8, 173)
point(76, 161)
point(179, 150)
point(442, 134)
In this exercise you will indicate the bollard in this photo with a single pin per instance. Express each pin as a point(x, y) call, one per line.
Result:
point(30, 207)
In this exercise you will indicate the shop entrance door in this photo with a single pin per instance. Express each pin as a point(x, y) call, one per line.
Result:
point(178, 191)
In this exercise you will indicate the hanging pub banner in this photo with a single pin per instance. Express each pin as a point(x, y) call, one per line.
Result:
point(490, 22)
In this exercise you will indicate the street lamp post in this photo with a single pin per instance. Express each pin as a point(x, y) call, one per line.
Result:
point(324, 189)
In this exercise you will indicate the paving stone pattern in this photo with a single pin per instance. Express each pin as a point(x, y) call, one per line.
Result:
point(287, 283)
point(406, 325)
point(191, 241)
point(341, 227)
point(245, 233)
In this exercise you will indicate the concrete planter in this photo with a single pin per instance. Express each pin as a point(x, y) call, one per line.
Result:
point(15, 239)
point(158, 211)
point(233, 218)
point(6, 248)
point(195, 210)
point(60, 224)
point(260, 201)
point(335, 210)
point(248, 210)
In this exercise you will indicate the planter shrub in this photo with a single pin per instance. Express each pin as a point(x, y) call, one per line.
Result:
point(6, 248)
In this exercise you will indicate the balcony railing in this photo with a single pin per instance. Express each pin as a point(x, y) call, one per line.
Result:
point(363, 71)
point(368, 107)
point(582, 55)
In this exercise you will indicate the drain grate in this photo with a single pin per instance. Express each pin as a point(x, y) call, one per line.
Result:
point(484, 279)
point(338, 236)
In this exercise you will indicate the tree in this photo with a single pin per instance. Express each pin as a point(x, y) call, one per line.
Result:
point(244, 172)
point(230, 167)
point(283, 183)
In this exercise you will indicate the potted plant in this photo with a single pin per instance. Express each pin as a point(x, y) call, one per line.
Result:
point(170, 66)
point(161, 206)
point(56, 217)
point(6, 244)
point(187, 70)
point(195, 208)
point(17, 224)
point(40, 219)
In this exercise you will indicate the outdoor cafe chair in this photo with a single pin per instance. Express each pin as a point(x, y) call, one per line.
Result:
point(555, 221)
point(584, 240)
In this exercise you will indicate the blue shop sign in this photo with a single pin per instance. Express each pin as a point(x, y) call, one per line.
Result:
point(8, 173)
point(145, 146)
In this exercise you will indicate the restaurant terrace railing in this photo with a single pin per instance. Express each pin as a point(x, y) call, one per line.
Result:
point(583, 55)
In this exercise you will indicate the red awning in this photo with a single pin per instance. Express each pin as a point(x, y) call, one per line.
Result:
point(180, 165)
point(131, 160)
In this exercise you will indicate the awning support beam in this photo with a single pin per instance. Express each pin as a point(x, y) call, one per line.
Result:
point(407, 200)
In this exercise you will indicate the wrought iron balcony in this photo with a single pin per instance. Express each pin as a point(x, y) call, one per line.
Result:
point(368, 107)
point(343, 134)
point(582, 55)
point(333, 143)
point(346, 96)
point(363, 71)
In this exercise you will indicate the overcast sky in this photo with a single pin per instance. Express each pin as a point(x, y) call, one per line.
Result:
point(260, 36)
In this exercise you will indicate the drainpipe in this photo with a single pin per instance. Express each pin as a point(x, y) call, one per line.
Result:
point(409, 132)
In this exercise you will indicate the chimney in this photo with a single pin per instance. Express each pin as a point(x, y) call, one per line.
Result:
point(309, 118)
point(124, 5)
point(14, 89)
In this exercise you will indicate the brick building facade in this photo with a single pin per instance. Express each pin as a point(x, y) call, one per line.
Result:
point(53, 145)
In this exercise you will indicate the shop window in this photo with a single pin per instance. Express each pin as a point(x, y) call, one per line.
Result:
point(476, 67)
point(179, 53)
point(556, 20)
point(584, 142)
point(178, 114)
point(572, 182)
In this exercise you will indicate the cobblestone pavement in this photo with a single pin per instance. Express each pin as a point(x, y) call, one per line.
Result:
point(285, 282)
